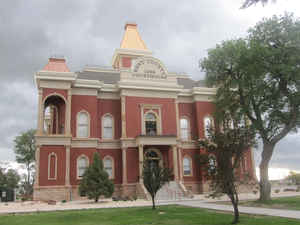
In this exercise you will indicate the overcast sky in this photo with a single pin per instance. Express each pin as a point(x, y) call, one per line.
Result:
point(87, 32)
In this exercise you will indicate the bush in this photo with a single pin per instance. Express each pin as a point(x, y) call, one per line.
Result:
point(277, 191)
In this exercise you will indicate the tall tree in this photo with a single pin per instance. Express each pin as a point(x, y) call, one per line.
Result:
point(25, 153)
point(95, 181)
point(261, 74)
point(154, 177)
point(227, 142)
point(9, 178)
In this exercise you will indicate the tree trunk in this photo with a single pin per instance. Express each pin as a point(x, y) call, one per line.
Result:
point(236, 213)
point(96, 199)
point(265, 185)
point(153, 202)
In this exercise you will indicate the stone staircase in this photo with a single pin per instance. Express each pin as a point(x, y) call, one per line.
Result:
point(172, 191)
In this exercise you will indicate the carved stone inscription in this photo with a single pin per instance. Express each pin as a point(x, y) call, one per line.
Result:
point(149, 68)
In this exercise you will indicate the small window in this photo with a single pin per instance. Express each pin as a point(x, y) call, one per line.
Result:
point(82, 125)
point(107, 127)
point(184, 129)
point(82, 165)
point(208, 123)
point(108, 166)
point(187, 166)
point(151, 124)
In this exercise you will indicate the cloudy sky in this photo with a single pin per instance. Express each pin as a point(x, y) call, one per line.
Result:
point(87, 32)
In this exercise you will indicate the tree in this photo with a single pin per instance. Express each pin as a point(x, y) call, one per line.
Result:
point(25, 154)
point(261, 75)
point(95, 181)
point(227, 143)
point(154, 177)
point(9, 179)
point(249, 3)
point(294, 178)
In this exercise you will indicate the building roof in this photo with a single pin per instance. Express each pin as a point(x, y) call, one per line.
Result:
point(56, 65)
point(105, 77)
point(109, 77)
point(132, 38)
point(188, 83)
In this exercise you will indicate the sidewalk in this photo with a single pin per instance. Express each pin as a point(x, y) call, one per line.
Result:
point(295, 214)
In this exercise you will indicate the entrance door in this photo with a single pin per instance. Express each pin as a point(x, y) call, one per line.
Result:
point(154, 156)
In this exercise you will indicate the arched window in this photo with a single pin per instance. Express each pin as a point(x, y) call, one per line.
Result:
point(83, 125)
point(208, 123)
point(184, 129)
point(187, 166)
point(212, 164)
point(150, 123)
point(82, 165)
point(52, 166)
point(107, 127)
point(109, 166)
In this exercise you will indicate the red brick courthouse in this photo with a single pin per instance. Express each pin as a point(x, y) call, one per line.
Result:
point(133, 110)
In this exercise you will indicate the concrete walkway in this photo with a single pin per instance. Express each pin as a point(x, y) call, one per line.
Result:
point(295, 214)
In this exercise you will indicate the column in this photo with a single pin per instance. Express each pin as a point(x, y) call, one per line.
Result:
point(141, 161)
point(40, 113)
point(177, 119)
point(180, 164)
point(175, 162)
point(124, 166)
point(68, 114)
point(123, 115)
point(37, 166)
point(67, 180)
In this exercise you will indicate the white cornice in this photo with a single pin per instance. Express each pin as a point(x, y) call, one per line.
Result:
point(52, 75)
point(88, 83)
point(52, 140)
point(84, 142)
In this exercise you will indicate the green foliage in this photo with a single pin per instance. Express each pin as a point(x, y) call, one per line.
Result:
point(260, 76)
point(294, 178)
point(9, 179)
point(95, 181)
point(25, 154)
point(154, 177)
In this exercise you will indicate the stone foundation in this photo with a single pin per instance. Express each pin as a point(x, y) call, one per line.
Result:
point(193, 187)
point(57, 193)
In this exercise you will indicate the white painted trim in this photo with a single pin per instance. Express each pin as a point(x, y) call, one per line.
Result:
point(112, 164)
point(84, 91)
point(186, 156)
point(49, 166)
point(89, 122)
point(113, 126)
point(77, 168)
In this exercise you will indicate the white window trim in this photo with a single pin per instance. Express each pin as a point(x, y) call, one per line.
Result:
point(191, 165)
point(204, 128)
point(112, 165)
point(89, 122)
point(188, 128)
point(49, 166)
point(113, 126)
point(150, 109)
point(77, 168)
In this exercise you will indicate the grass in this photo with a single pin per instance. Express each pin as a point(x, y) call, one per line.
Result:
point(167, 215)
point(292, 203)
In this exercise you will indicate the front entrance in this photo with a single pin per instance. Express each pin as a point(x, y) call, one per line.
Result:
point(154, 156)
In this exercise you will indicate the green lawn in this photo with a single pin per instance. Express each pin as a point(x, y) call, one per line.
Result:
point(170, 215)
point(276, 203)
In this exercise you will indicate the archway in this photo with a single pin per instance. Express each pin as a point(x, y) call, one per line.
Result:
point(154, 155)
point(54, 115)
